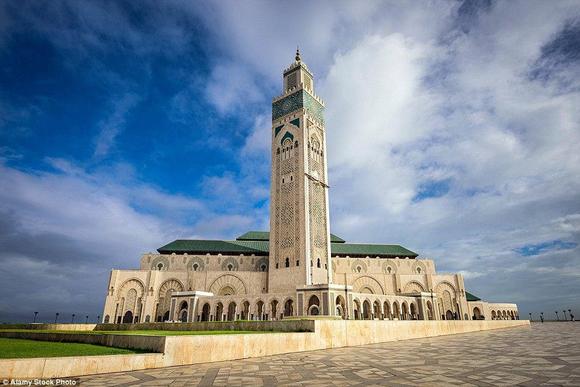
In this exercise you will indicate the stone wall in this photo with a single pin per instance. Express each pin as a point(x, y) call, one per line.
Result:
point(182, 350)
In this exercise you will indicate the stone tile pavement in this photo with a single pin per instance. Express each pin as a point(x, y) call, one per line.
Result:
point(545, 354)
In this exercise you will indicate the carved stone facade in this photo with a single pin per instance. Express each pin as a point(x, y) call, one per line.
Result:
point(299, 268)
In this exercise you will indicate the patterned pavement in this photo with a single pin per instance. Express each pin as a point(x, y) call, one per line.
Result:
point(546, 354)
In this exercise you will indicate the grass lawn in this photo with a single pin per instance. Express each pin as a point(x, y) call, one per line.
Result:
point(143, 332)
point(18, 349)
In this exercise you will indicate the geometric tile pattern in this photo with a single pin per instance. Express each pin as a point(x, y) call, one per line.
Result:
point(546, 354)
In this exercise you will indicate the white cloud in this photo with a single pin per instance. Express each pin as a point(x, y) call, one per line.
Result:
point(114, 124)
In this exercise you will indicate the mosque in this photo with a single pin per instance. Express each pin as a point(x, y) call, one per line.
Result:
point(298, 268)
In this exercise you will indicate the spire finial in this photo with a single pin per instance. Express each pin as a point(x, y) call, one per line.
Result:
point(297, 54)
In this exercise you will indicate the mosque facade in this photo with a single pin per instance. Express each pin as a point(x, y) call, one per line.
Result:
point(298, 268)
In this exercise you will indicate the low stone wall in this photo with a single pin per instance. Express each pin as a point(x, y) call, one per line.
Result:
point(51, 327)
point(182, 350)
point(146, 343)
point(286, 325)
point(59, 367)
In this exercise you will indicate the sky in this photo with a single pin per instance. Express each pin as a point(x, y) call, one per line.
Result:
point(453, 129)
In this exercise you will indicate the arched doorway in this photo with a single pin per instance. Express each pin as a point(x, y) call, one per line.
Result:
point(396, 311)
point(367, 314)
point(219, 311)
point(340, 307)
point(128, 317)
point(289, 307)
point(356, 310)
point(493, 315)
point(260, 310)
point(107, 318)
point(183, 312)
point(274, 308)
point(404, 311)
point(377, 310)
point(313, 306)
point(232, 311)
point(387, 310)
point(477, 314)
point(245, 310)
point(449, 315)
point(205, 312)
point(414, 311)
point(165, 316)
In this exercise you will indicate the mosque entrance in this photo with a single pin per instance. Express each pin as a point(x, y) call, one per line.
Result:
point(128, 317)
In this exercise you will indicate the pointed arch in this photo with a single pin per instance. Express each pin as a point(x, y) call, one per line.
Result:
point(367, 284)
point(229, 282)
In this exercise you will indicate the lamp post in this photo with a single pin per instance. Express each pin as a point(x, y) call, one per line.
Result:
point(542, 316)
point(531, 317)
point(56, 317)
point(35, 314)
point(72, 320)
point(98, 318)
point(87, 319)
point(565, 317)
point(557, 317)
point(570, 312)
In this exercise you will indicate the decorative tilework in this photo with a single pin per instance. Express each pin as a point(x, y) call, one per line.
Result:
point(295, 101)
point(296, 122)
point(287, 135)
point(277, 130)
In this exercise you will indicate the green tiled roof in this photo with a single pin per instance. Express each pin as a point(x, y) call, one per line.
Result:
point(265, 236)
point(256, 242)
point(372, 250)
point(196, 246)
point(471, 297)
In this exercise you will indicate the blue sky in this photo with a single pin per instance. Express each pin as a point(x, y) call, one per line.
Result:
point(453, 130)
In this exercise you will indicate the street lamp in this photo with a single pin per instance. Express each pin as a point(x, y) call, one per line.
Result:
point(565, 317)
point(531, 317)
point(56, 317)
point(87, 319)
point(542, 316)
point(72, 320)
point(570, 312)
point(557, 317)
point(35, 314)
point(98, 318)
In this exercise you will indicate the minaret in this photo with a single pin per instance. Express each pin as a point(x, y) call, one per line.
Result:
point(299, 222)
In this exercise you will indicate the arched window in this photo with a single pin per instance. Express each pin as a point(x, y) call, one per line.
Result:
point(263, 267)
point(159, 266)
point(195, 266)
point(418, 270)
point(318, 263)
point(297, 262)
point(287, 262)
point(230, 267)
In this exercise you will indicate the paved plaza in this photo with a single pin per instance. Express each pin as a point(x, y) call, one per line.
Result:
point(545, 354)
